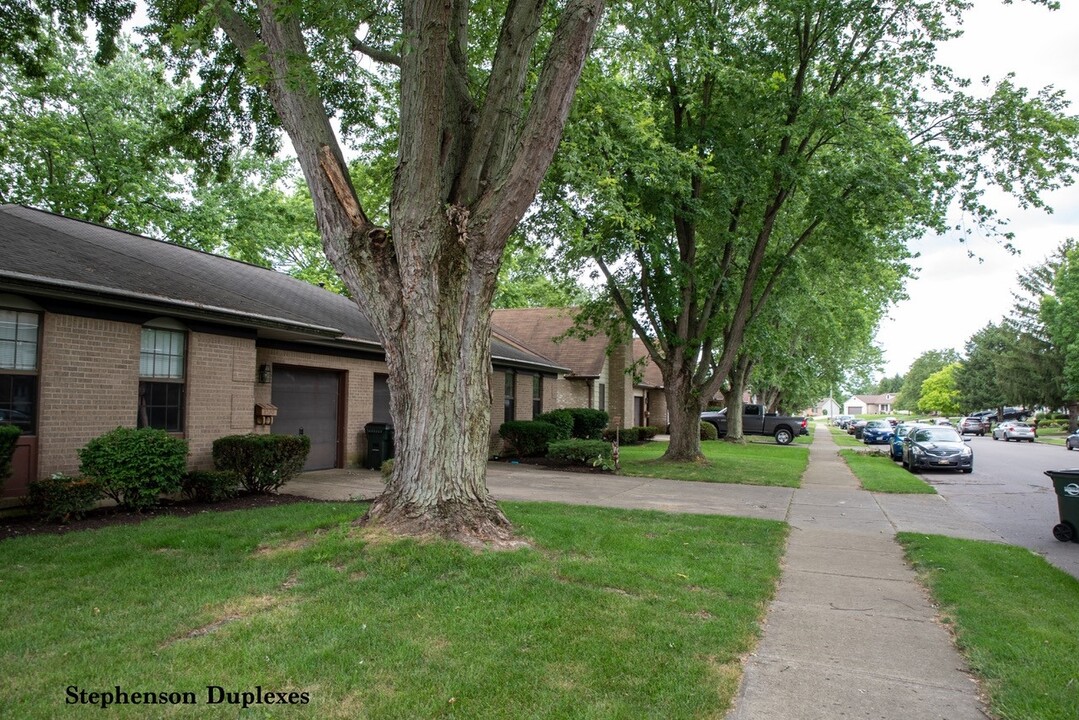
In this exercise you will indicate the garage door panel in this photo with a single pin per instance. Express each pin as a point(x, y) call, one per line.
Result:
point(307, 404)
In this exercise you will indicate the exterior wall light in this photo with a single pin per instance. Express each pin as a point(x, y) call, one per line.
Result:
point(265, 374)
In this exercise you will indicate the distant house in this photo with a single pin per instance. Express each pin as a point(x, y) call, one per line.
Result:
point(869, 404)
point(597, 376)
point(827, 406)
point(101, 328)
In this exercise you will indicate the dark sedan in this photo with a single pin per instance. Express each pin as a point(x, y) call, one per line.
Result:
point(937, 447)
point(877, 431)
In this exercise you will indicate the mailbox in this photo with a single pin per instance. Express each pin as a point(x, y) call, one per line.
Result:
point(265, 413)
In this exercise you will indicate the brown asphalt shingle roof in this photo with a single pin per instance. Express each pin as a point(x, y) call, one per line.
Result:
point(538, 329)
point(52, 255)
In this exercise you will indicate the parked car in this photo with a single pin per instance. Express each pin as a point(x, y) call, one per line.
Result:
point(937, 447)
point(877, 431)
point(842, 420)
point(900, 434)
point(892, 421)
point(858, 428)
point(944, 422)
point(1072, 441)
point(972, 425)
point(1014, 430)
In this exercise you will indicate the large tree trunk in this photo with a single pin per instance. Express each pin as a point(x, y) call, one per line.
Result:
point(684, 408)
point(441, 403)
point(468, 168)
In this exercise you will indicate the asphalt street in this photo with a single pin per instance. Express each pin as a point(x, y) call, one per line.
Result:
point(1009, 494)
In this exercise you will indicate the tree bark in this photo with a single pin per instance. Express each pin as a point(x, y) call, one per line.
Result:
point(733, 397)
point(467, 171)
point(684, 406)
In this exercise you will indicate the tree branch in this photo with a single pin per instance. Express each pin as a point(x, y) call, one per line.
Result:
point(517, 186)
point(382, 56)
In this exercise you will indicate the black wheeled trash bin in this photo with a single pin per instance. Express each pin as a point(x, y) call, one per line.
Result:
point(1066, 483)
point(379, 444)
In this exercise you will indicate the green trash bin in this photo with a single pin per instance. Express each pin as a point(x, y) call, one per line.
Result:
point(379, 444)
point(1066, 483)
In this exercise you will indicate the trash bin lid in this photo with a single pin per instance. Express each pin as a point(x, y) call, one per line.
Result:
point(1067, 473)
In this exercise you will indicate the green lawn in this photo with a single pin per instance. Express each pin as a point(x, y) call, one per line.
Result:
point(879, 473)
point(1015, 617)
point(612, 614)
point(748, 464)
point(843, 439)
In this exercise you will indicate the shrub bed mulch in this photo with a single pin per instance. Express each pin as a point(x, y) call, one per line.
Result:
point(23, 525)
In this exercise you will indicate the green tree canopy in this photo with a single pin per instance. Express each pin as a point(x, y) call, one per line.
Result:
point(939, 393)
point(925, 365)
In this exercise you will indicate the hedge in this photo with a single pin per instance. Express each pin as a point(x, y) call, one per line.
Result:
point(561, 419)
point(210, 485)
point(60, 498)
point(625, 436)
point(593, 453)
point(588, 424)
point(134, 467)
point(708, 431)
point(263, 463)
point(528, 438)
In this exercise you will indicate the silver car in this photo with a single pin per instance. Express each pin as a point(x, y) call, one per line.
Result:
point(1014, 430)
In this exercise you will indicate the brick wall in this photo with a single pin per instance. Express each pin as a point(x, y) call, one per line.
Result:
point(220, 392)
point(89, 384)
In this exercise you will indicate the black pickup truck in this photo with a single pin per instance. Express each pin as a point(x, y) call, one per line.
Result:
point(755, 421)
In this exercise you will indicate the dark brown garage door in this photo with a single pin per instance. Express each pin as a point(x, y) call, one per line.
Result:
point(307, 404)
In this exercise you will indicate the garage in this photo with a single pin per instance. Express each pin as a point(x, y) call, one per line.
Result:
point(308, 403)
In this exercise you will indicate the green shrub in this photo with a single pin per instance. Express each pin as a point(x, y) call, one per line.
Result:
point(588, 424)
point(592, 453)
point(9, 435)
point(386, 470)
point(649, 432)
point(210, 485)
point(263, 463)
point(626, 436)
point(708, 431)
point(527, 438)
point(61, 498)
point(561, 419)
point(134, 467)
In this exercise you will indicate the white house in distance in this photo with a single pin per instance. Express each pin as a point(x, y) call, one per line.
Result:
point(827, 407)
point(869, 404)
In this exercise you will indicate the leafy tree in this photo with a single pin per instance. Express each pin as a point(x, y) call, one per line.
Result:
point(31, 31)
point(1059, 311)
point(978, 378)
point(939, 392)
point(471, 99)
point(86, 140)
point(928, 363)
point(1031, 370)
point(713, 146)
point(888, 385)
point(68, 150)
point(528, 278)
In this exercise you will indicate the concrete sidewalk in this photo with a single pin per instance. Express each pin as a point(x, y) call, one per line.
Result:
point(851, 634)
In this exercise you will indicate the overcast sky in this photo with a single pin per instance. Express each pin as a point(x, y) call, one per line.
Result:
point(955, 295)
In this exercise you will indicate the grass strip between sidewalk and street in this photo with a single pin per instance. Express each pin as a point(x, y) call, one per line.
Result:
point(744, 464)
point(609, 614)
point(879, 473)
point(843, 438)
point(1015, 618)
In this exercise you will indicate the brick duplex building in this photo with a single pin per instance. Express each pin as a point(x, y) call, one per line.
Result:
point(101, 328)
